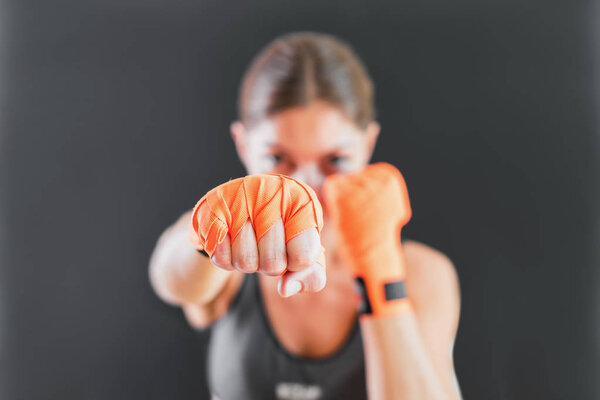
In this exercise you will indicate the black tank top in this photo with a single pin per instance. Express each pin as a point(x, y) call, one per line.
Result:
point(247, 362)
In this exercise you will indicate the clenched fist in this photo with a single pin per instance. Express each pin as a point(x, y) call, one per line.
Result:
point(368, 210)
point(263, 223)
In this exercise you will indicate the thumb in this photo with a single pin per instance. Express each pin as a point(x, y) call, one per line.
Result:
point(311, 279)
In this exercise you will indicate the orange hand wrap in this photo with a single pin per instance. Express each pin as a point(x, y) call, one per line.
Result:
point(262, 199)
point(369, 209)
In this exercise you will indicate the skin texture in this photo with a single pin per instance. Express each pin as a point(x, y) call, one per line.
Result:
point(407, 357)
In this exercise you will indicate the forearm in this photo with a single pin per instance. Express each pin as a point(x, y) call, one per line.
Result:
point(369, 208)
point(397, 364)
point(178, 273)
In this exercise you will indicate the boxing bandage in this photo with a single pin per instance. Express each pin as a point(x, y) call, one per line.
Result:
point(369, 208)
point(262, 199)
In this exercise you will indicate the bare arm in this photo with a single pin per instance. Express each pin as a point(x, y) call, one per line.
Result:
point(396, 362)
point(410, 356)
point(181, 276)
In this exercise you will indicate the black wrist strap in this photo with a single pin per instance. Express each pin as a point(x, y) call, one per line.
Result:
point(364, 307)
point(393, 291)
point(203, 253)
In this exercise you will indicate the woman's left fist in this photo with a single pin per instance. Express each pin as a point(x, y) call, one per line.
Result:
point(368, 210)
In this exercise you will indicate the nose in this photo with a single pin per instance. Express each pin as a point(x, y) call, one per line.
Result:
point(311, 175)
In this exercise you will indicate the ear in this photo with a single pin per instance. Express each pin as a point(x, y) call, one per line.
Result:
point(238, 134)
point(372, 133)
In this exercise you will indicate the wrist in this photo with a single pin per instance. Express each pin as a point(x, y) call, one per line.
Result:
point(380, 283)
point(382, 298)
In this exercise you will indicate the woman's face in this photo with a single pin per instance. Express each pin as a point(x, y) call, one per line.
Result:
point(306, 143)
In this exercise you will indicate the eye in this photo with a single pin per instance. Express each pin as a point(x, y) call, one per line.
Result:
point(275, 158)
point(337, 160)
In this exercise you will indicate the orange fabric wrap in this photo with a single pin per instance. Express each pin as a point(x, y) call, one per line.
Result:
point(262, 199)
point(369, 209)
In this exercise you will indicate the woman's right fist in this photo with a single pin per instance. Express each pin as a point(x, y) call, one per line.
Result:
point(263, 223)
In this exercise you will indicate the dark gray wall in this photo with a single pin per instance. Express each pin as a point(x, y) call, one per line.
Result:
point(115, 119)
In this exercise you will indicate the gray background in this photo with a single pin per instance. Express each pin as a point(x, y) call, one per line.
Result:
point(114, 120)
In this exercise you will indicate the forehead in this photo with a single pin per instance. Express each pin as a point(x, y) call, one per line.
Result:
point(318, 126)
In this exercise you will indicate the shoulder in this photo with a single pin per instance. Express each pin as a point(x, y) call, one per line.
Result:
point(424, 261)
point(433, 287)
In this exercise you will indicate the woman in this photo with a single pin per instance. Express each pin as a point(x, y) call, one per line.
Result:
point(306, 111)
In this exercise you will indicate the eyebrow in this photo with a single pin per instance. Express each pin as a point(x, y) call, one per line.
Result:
point(341, 145)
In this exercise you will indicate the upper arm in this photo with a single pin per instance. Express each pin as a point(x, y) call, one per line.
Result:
point(432, 285)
